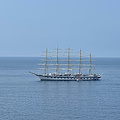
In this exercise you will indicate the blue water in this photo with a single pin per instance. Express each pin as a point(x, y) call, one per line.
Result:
point(24, 97)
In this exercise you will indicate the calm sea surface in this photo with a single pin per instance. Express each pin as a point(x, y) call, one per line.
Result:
point(24, 97)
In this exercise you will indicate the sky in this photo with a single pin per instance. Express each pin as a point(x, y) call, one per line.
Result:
point(28, 27)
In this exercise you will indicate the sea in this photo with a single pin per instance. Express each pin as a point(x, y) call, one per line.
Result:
point(24, 97)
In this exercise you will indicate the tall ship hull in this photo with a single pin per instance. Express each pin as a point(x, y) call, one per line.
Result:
point(69, 77)
point(56, 64)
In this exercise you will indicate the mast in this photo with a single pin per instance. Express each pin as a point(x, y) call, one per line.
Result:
point(57, 59)
point(80, 63)
point(68, 60)
point(57, 63)
point(45, 61)
point(90, 65)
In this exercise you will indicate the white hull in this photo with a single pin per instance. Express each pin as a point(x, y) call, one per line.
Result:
point(68, 78)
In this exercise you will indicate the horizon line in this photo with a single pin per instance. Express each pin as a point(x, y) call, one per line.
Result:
point(40, 56)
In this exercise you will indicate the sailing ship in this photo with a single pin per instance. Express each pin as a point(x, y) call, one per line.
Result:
point(62, 67)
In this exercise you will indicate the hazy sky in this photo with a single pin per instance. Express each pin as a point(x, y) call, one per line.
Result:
point(29, 26)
